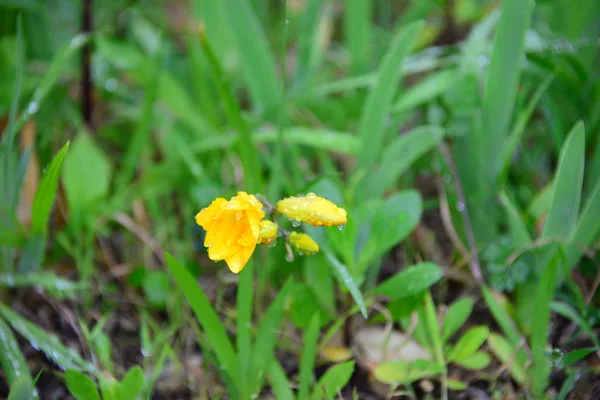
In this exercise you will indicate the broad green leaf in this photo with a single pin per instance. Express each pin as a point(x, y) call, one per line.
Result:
point(215, 333)
point(427, 90)
point(46, 192)
point(401, 153)
point(257, 58)
point(86, 175)
point(568, 182)
point(378, 104)
point(46, 342)
point(132, 384)
point(12, 361)
point(308, 357)
point(476, 361)
point(453, 384)
point(507, 59)
point(398, 372)
point(509, 356)
point(81, 386)
point(468, 343)
point(456, 316)
point(264, 346)
point(410, 281)
point(343, 275)
point(540, 369)
point(394, 220)
point(334, 379)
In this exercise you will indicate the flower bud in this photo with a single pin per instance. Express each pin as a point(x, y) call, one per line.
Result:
point(303, 243)
point(268, 232)
point(313, 210)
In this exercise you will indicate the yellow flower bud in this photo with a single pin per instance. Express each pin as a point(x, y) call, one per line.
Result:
point(303, 243)
point(268, 232)
point(313, 210)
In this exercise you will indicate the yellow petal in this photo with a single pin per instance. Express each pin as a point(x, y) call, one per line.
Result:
point(313, 210)
point(238, 261)
point(207, 216)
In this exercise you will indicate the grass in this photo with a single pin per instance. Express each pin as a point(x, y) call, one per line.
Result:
point(460, 137)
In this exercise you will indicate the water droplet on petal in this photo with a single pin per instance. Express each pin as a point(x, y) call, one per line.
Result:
point(295, 223)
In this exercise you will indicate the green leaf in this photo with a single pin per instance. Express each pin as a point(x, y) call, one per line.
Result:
point(245, 297)
point(81, 386)
point(568, 182)
point(568, 312)
point(157, 288)
point(46, 192)
point(86, 176)
point(394, 220)
point(456, 316)
point(216, 336)
point(358, 33)
point(587, 228)
point(343, 275)
point(320, 282)
point(59, 64)
point(22, 389)
point(264, 346)
point(56, 285)
point(279, 382)
point(334, 379)
point(520, 235)
point(469, 343)
point(509, 356)
point(371, 127)
point(578, 354)
point(540, 369)
point(132, 384)
point(308, 357)
point(257, 58)
point(11, 359)
point(310, 50)
point(456, 385)
point(410, 281)
point(399, 372)
point(502, 81)
point(401, 153)
point(427, 90)
point(476, 361)
point(46, 342)
point(501, 316)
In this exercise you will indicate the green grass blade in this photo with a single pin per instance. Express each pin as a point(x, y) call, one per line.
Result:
point(46, 192)
point(540, 368)
point(46, 342)
point(519, 128)
point(568, 181)
point(245, 295)
point(308, 357)
point(309, 52)
point(502, 81)
point(401, 153)
point(216, 335)
point(568, 312)
point(372, 122)
point(257, 58)
point(333, 380)
point(518, 230)
point(501, 316)
point(264, 346)
point(508, 354)
point(358, 15)
point(343, 275)
point(11, 359)
point(22, 389)
point(587, 228)
point(427, 90)
point(46, 280)
point(246, 148)
point(279, 382)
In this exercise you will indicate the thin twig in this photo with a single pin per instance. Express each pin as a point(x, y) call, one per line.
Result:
point(474, 261)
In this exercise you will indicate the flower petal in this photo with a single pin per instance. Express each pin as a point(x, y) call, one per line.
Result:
point(207, 216)
point(239, 260)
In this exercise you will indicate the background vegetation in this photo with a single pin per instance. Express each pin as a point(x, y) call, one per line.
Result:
point(462, 137)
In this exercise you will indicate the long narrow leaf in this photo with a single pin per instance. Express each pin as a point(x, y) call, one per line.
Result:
point(208, 318)
point(308, 357)
point(343, 275)
point(11, 359)
point(587, 229)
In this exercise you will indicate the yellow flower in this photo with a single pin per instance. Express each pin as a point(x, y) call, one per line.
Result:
point(313, 210)
point(303, 243)
point(232, 229)
point(268, 232)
